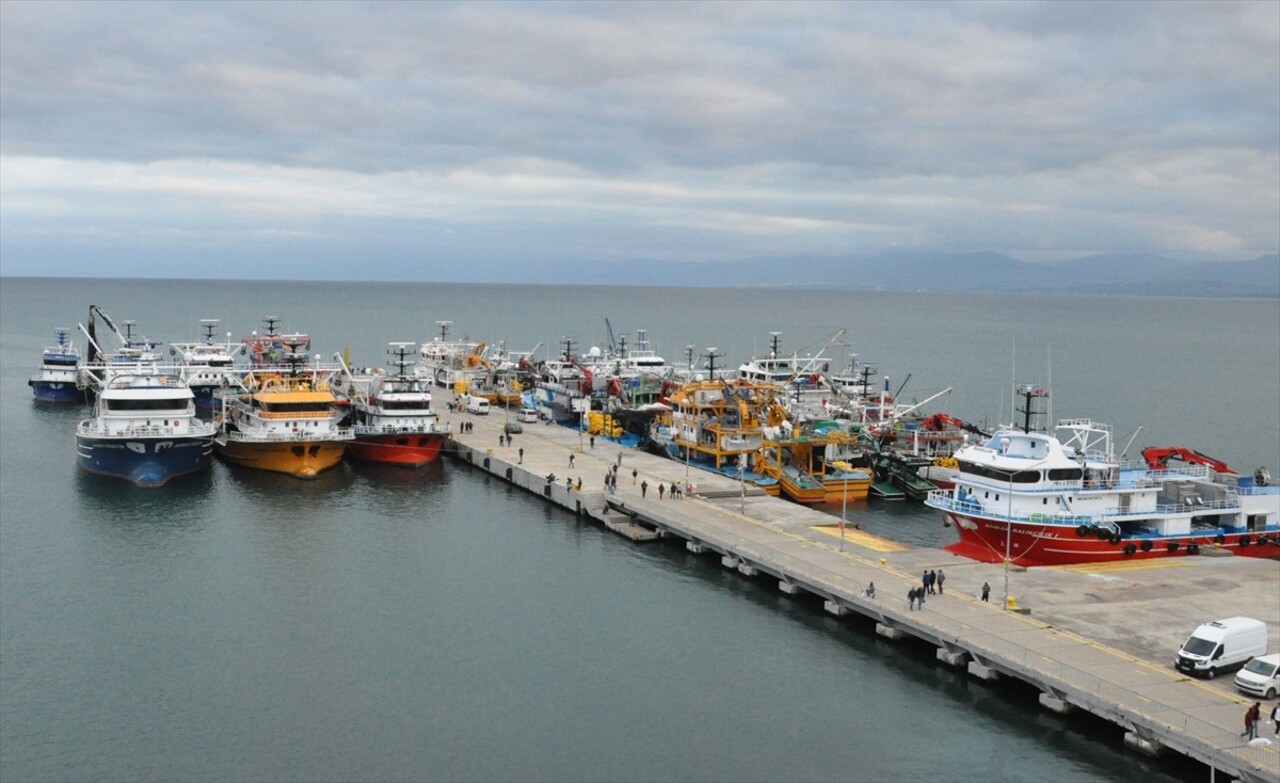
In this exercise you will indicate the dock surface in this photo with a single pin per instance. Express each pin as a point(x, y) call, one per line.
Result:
point(1098, 637)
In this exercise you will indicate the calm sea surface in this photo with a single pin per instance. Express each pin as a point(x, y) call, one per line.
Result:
point(380, 624)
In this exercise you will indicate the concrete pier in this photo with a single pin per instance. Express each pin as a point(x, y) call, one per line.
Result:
point(1096, 638)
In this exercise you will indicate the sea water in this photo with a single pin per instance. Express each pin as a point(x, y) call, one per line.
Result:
point(384, 624)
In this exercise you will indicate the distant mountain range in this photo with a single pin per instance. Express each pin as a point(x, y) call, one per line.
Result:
point(1110, 274)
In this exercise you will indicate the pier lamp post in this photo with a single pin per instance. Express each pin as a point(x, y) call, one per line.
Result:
point(844, 502)
point(1008, 527)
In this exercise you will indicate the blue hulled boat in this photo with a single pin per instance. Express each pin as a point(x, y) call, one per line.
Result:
point(56, 379)
point(144, 429)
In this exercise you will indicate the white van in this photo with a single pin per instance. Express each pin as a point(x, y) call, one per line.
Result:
point(477, 405)
point(1222, 645)
point(527, 415)
point(1261, 676)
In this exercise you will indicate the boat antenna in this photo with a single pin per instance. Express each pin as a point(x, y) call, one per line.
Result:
point(898, 393)
point(1124, 452)
point(688, 353)
point(710, 356)
point(1049, 351)
point(773, 344)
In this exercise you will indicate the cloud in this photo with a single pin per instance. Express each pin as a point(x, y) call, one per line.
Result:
point(611, 131)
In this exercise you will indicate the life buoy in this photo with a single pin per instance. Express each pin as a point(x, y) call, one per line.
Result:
point(1245, 539)
point(1146, 546)
point(1129, 549)
point(1172, 546)
point(1193, 549)
point(1218, 539)
point(1115, 537)
point(1082, 531)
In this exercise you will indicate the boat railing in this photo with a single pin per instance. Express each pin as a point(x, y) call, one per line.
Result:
point(946, 500)
point(409, 429)
point(274, 436)
point(197, 428)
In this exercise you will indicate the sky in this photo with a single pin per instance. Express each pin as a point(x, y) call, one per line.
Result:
point(405, 141)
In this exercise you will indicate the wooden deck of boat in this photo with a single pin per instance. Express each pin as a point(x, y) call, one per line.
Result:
point(1098, 638)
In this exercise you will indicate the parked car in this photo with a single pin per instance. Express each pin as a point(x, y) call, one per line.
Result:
point(1260, 676)
point(513, 427)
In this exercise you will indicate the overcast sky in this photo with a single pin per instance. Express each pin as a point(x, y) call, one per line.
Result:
point(398, 140)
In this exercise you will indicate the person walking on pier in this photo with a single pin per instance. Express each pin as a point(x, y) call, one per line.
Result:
point(634, 472)
point(644, 487)
point(571, 459)
point(593, 441)
point(661, 489)
point(924, 581)
point(1275, 718)
point(1251, 718)
point(911, 599)
point(521, 462)
point(986, 592)
point(941, 579)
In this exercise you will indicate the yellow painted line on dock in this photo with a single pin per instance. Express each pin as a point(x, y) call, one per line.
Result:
point(1126, 565)
point(862, 538)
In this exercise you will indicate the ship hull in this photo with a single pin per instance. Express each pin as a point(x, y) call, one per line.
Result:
point(301, 458)
point(1031, 544)
point(839, 490)
point(56, 391)
point(410, 450)
point(145, 462)
point(809, 496)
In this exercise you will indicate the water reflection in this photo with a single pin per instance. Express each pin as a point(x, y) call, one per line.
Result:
point(115, 500)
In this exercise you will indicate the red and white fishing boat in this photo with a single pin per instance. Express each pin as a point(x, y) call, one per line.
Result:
point(392, 416)
point(1036, 498)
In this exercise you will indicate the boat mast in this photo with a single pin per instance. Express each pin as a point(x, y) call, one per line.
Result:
point(1030, 394)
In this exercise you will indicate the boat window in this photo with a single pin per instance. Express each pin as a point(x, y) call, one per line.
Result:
point(294, 407)
point(145, 405)
point(1065, 474)
point(60, 362)
point(995, 474)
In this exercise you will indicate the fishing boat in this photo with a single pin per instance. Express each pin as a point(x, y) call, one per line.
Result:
point(284, 420)
point(1039, 498)
point(274, 349)
point(834, 455)
point(719, 425)
point(144, 429)
point(806, 392)
point(392, 417)
point(55, 381)
point(446, 362)
point(562, 391)
point(207, 367)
